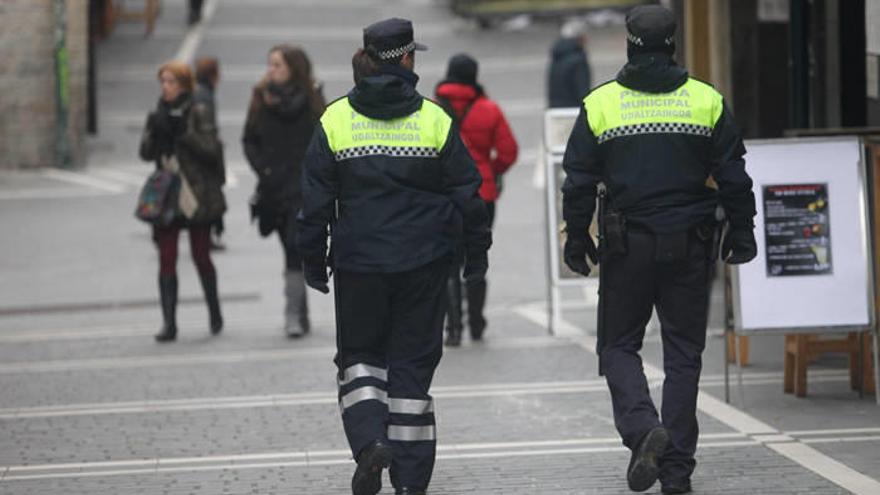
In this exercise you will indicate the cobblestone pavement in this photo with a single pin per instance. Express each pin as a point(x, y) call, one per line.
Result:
point(89, 404)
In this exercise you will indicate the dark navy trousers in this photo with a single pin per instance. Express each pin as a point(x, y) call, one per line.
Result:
point(633, 285)
point(389, 342)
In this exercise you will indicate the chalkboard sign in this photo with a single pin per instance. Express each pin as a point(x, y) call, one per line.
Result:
point(813, 271)
point(796, 230)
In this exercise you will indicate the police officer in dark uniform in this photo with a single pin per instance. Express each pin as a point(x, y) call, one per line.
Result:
point(390, 177)
point(653, 137)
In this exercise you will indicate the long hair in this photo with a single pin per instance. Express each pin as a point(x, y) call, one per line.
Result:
point(300, 68)
point(363, 65)
point(207, 70)
point(182, 74)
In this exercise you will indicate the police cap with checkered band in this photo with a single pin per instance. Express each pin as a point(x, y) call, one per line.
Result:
point(390, 39)
point(650, 28)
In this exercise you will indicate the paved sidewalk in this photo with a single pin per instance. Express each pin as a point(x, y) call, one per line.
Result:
point(89, 404)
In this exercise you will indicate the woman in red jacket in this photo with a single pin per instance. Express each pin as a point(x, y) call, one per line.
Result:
point(492, 146)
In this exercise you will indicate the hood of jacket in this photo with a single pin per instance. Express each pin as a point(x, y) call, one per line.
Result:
point(456, 91)
point(565, 47)
point(389, 95)
point(457, 95)
point(652, 73)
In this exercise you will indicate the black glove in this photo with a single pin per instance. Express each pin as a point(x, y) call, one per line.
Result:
point(476, 264)
point(739, 246)
point(315, 272)
point(576, 252)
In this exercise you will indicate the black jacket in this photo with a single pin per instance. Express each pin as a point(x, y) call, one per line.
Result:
point(568, 78)
point(658, 180)
point(275, 139)
point(187, 131)
point(396, 211)
point(204, 95)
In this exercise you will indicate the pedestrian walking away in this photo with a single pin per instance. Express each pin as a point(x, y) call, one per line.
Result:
point(195, 11)
point(180, 138)
point(569, 77)
point(207, 78)
point(281, 119)
point(653, 137)
point(491, 143)
point(389, 176)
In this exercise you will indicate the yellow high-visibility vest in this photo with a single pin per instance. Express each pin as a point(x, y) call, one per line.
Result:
point(614, 111)
point(350, 134)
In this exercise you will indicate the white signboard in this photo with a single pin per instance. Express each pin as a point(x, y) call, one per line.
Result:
point(813, 269)
point(558, 123)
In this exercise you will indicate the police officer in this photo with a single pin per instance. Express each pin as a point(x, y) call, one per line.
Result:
point(391, 178)
point(653, 136)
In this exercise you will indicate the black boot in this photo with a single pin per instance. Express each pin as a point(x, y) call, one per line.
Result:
point(168, 299)
point(371, 460)
point(296, 310)
point(476, 296)
point(453, 311)
point(677, 486)
point(644, 467)
point(453, 336)
point(209, 285)
point(195, 11)
point(409, 491)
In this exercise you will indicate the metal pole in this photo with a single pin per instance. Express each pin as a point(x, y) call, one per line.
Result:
point(860, 366)
point(876, 367)
point(739, 372)
point(727, 366)
point(552, 289)
point(728, 327)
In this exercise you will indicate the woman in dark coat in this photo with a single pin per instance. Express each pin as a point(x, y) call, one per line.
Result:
point(284, 109)
point(181, 137)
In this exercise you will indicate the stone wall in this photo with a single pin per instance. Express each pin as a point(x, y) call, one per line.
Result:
point(28, 103)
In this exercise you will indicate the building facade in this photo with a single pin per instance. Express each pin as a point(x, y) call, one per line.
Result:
point(43, 98)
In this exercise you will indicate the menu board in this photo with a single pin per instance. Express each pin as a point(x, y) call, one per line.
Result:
point(797, 230)
point(813, 269)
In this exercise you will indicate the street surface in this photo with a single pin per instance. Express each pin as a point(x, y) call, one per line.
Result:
point(89, 404)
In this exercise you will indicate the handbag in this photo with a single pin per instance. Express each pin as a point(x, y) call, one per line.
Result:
point(187, 203)
point(157, 202)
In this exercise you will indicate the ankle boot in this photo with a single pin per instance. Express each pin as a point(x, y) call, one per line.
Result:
point(209, 286)
point(453, 312)
point(453, 336)
point(168, 299)
point(476, 297)
point(296, 311)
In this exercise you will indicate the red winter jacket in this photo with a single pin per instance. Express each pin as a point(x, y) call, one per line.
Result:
point(484, 131)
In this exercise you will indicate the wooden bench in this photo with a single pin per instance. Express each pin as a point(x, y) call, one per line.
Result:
point(803, 349)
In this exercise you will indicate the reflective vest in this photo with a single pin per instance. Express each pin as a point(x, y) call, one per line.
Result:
point(615, 111)
point(350, 134)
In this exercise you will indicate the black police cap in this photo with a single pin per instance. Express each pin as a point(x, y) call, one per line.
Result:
point(390, 39)
point(650, 26)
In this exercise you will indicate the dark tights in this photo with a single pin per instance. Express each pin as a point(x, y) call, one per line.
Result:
point(199, 246)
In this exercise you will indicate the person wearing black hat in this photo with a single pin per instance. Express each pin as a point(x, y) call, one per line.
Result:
point(494, 149)
point(653, 137)
point(392, 184)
